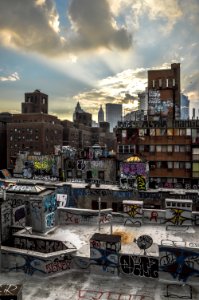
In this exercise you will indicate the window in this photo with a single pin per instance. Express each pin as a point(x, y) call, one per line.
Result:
point(182, 165)
point(188, 148)
point(176, 164)
point(176, 148)
point(173, 82)
point(152, 148)
point(141, 148)
point(170, 165)
point(170, 132)
point(79, 174)
point(153, 83)
point(167, 82)
point(152, 132)
point(176, 132)
point(101, 175)
point(182, 148)
point(123, 133)
point(187, 165)
point(188, 132)
point(160, 82)
point(169, 148)
point(158, 148)
point(182, 132)
point(158, 132)
point(164, 148)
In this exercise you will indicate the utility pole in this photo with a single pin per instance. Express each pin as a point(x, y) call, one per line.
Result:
point(99, 216)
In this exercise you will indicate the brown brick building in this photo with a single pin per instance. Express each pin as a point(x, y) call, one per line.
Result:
point(33, 133)
point(35, 102)
point(170, 145)
point(164, 93)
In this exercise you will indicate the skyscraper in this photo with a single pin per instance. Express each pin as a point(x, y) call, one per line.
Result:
point(113, 114)
point(100, 115)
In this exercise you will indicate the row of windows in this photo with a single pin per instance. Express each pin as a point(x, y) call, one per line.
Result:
point(164, 148)
point(194, 133)
point(154, 148)
point(165, 82)
point(178, 204)
point(170, 165)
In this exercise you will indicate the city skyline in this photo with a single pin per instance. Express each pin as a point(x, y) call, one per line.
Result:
point(92, 51)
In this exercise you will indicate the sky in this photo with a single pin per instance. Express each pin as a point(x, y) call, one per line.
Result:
point(94, 51)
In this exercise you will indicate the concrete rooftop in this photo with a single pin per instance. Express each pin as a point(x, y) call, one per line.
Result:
point(76, 285)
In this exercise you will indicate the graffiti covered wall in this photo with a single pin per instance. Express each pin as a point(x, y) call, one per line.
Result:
point(135, 265)
point(104, 250)
point(179, 264)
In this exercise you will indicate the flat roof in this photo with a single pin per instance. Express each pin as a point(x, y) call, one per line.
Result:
point(179, 200)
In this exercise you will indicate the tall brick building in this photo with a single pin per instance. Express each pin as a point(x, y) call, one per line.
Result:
point(35, 102)
point(33, 133)
point(170, 145)
point(164, 93)
point(33, 130)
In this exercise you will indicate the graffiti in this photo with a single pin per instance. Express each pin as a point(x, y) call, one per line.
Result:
point(139, 266)
point(154, 216)
point(133, 210)
point(28, 264)
point(9, 290)
point(133, 169)
point(39, 245)
point(105, 218)
point(81, 262)
point(194, 245)
point(104, 260)
point(50, 220)
point(81, 165)
point(61, 200)
point(21, 188)
point(59, 265)
point(50, 203)
point(141, 183)
point(179, 263)
point(178, 186)
point(177, 218)
point(97, 295)
point(187, 186)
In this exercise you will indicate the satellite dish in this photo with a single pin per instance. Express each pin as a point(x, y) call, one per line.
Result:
point(144, 242)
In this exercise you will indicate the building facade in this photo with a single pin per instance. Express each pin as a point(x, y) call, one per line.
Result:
point(113, 114)
point(100, 115)
point(35, 102)
point(33, 133)
point(171, 148)
point(164, 93)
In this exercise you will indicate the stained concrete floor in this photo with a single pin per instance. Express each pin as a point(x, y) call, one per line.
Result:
point(82, 286)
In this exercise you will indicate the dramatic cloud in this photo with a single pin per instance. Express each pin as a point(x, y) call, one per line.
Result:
point(121, 88)
point(34, 26)
point(95, 26)
point(30, 26)
point(12, 77)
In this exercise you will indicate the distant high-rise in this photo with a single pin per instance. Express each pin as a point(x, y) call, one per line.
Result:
point(80, 116)
point(100, 115)
point(35, 102)
point(113, 114)
point(184, 107)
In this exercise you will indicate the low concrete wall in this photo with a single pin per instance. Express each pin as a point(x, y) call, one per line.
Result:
point(83, 216)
